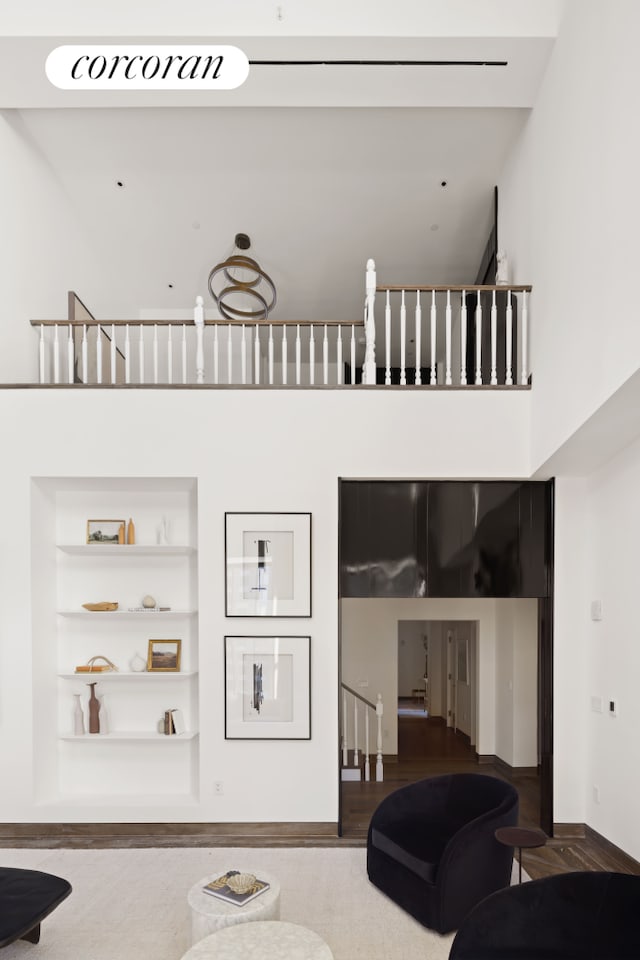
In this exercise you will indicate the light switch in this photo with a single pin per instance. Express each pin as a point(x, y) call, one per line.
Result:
point(596, 609)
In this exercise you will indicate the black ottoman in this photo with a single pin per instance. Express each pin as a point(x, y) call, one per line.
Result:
point(26, 898)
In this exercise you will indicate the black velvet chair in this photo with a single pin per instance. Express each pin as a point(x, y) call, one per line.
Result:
point(431, 846)
point(26, 898)
point(572, 916)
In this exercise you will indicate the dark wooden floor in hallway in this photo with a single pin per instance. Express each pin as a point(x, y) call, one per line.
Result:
point(427, 748)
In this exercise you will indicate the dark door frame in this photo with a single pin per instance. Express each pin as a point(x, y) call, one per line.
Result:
point(545, 674)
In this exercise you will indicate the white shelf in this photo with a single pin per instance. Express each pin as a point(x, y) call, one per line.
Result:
point(146, 736)
point(122, 550)
point(150, 617)
point(126, 675)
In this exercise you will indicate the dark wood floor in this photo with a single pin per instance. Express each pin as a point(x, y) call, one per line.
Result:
point(426, 747)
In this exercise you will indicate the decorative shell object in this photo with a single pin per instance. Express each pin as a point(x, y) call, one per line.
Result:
point(149, 602)
point(241, 882)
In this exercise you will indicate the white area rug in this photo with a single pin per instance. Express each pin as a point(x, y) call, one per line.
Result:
point(132, 904)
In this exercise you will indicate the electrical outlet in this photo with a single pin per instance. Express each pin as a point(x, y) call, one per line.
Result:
point(218, 788)
point(596, 794)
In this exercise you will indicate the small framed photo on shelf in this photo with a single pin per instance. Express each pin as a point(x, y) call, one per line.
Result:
point(104, 531)
point(164, 655)
point(268, 564)
point(267, 688)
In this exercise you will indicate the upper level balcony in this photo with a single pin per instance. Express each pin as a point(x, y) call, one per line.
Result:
point(422, 336)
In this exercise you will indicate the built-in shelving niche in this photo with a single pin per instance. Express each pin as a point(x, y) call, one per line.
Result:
point(131, 765)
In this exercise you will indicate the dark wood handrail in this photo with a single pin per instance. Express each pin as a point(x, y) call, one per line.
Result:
point(358, 695)
point(190, 323)
point(453, 287)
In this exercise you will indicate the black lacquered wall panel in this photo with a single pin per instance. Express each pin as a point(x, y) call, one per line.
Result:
point(445, 539)
point(378, 548)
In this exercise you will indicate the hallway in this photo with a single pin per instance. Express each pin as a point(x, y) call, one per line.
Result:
point(427, 748)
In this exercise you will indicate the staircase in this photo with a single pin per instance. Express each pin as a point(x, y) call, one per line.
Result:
point(358, 714)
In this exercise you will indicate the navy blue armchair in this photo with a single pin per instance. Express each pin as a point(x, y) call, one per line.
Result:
point(431, 846)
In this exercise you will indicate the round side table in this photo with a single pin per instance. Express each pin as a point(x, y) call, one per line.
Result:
point(209, 914)
point(520, 837)
point(263, 940)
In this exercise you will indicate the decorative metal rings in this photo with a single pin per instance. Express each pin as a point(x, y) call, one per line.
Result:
point(266, 300)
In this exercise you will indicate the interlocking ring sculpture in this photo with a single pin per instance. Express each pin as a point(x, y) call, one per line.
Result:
point(266, 301)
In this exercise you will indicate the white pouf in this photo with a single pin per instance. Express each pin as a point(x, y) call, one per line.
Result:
point(263, 940)
point(209, 914)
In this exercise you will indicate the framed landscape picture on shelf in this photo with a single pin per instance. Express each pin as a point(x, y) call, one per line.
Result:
point(267, 688)
point(164, 655)
point(103, 531)
point(268, 564)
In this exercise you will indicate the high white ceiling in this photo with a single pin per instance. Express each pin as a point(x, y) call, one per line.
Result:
point(324, 167)
point(318, 191)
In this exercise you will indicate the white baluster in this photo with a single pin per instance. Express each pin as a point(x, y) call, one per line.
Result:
point(85, 354)
point(434, 373)
point(285, 358)
point(141, 355)
point(345, 748)
point(379, 715)
point(155, 353)
point(243, 356)
point(298, 354)
point(387, 340)
point(356, 758)
point(229, 355)
point(369, 365)
point(216, 355)
point(270, 354)
point(41, 355)
point(70, 357)
point(447, 372)
point(56, 356)
point(184, 353)
point(403, 341)
point(494, 340)
point(98, 354)
point(169, 354)
point(509, 344)
point(113, 353)
point(367, 764)
point(339, 356)
point(127, 354)
point(478, 339)
point(524, 376)
point(418, 377)
point(325, 357)
point(463, 340)
point(198, 320)
point(353, 354)
point(256, 356)
point(312, 357)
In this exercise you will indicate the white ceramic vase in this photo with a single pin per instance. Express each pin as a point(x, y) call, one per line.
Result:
point(78, 716)
point(138, 664)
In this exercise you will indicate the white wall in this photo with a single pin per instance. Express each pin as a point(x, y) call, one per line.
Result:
point(517, 682)
point(612, 650)
point(411, 656)
point(369, 652)
point(566, 201)
point(246, 452)
point(44, 249)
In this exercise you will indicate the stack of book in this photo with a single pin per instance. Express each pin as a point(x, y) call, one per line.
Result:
point(174, 722)
point(220, 888)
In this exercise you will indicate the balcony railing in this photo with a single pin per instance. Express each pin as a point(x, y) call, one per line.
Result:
point(428, 336)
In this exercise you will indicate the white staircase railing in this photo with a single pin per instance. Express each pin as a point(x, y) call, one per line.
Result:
point(460, 350)
point(356, 735)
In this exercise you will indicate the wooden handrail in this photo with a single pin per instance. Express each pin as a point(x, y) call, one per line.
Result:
point(358, 695)
point(189, 323)
point(452, 287)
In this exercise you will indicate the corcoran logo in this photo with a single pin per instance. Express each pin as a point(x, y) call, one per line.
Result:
point(146, 67)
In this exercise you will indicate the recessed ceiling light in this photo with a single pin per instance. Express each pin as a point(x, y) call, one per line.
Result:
point(443, 183)
point(170, 285)
point(119, 183)
point(434, 227)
